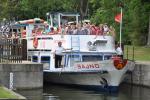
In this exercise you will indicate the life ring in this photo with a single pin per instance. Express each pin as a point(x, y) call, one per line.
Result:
point(35, 42)
point(120, 63)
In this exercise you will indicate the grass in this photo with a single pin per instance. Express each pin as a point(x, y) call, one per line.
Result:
point(6, 94)
point(140, 53)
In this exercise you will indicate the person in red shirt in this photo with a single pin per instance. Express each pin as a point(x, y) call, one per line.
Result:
point(93, 29)
point(99, 30)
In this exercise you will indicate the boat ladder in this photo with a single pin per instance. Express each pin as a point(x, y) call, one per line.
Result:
point(75, 45)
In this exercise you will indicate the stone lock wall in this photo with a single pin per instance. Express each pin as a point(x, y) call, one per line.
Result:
point(140, 75)
point(25, 76)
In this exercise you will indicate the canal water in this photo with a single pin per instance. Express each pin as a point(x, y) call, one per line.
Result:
point(56, 92)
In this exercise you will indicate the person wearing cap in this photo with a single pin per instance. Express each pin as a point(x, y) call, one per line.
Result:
point(58, 54)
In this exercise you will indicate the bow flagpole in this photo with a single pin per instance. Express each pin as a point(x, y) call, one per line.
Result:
point(120, 27)
point(118, 18)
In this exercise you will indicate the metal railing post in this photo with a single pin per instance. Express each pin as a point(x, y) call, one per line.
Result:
point(133, 54)
point(127, 52)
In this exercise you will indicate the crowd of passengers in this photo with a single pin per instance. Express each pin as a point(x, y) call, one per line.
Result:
point(81, 29)
point(69, 29)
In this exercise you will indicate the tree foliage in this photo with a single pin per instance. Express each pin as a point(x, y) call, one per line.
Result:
point(135, 13)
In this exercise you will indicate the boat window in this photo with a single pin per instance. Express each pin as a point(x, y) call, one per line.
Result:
point(45, 58)
point(107, 57)
point(46, 62)
point(92, 57)
point(34, 58)
point(72, 59)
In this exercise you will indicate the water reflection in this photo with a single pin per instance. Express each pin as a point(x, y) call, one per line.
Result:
point(56, 92)
point(65, 93)
point(126, 92)
point(135, 92)
point(32, 94)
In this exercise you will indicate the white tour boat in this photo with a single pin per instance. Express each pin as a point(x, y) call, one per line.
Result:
point(91, 63)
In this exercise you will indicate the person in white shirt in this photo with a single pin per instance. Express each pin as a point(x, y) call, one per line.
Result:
point(58, 54)
point(119, 51)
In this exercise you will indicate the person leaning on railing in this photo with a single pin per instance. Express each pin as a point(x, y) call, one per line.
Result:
point(58, 54)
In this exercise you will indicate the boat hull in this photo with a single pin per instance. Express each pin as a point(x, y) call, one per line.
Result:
point(99, 81)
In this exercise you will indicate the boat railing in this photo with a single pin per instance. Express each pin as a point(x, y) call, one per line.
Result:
point(68, 30)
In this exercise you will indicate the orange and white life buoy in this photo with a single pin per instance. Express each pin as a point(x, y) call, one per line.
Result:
point(120, 63)
point(35, 42)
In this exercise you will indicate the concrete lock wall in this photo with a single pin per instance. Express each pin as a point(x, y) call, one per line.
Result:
point(25, 76)
point(140, 75)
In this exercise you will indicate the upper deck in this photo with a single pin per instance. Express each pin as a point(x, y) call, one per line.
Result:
point(82, 37)
point(81, 43)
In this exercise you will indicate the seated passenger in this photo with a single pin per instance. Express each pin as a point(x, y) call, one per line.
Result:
point(105, 29)
point(52, 31)
point(99, 30)
point(85, 29)
point(47, 29)
point(79, 29)
point(62, 30)
point(39, 31)
point(69, 30)
point(112, 31)
point(93, 29)
point(55, 30)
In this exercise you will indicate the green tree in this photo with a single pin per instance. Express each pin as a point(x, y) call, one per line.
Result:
point(135, 13)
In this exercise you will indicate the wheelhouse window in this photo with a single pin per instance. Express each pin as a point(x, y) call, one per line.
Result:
point(92, 57)
point(45, 59)
point(107, 57)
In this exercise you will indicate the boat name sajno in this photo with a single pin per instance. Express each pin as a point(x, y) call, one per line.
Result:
point(87, 66)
